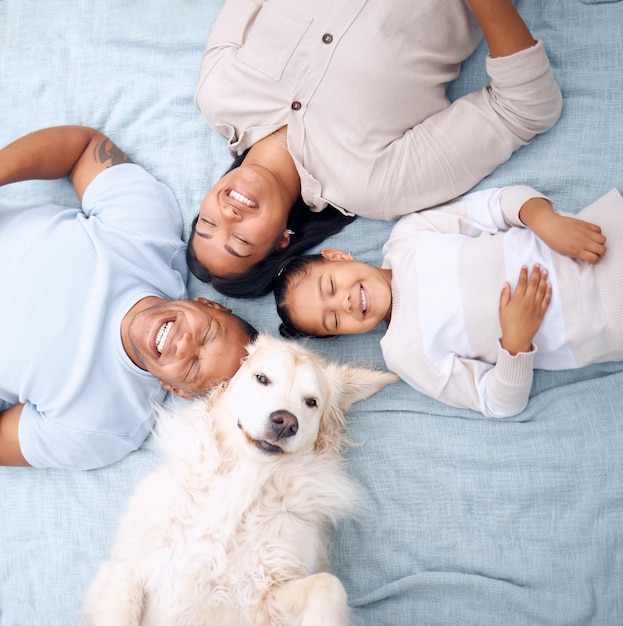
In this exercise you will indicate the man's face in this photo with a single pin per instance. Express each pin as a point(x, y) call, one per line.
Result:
point(190, 346)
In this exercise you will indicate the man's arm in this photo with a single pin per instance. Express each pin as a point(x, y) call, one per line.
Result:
point(10, 451)
point(78, 152)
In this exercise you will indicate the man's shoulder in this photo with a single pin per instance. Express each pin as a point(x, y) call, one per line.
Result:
point(129, 193)
point(100, 427)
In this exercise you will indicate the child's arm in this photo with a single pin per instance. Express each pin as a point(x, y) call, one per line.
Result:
point(566, 235)
point(521, 313)
point(502, 390)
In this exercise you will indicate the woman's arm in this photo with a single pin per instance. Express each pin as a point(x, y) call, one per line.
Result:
point(503, 27)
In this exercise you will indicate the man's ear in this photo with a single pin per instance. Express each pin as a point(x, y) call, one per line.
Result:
point(176, 390)
point(331, 254)
point(214, 305)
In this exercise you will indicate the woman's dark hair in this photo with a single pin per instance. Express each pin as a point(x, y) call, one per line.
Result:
point(309, 230)
point(292, 270)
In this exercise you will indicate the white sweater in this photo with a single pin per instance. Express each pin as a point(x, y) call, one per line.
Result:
point(449, 265)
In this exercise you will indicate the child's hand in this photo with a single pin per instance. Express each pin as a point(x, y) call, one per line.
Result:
point(574, 238)
point(565, 234)
point(522, 313)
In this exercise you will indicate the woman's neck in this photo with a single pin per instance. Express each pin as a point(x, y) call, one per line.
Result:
point(272, 154)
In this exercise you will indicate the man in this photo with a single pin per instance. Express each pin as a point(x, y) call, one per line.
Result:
point(94, 325)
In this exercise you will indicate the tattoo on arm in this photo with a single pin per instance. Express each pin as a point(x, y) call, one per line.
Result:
point(107, 153)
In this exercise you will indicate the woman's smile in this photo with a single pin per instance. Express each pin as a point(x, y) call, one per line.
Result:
point(241, 220)
point(236, 196)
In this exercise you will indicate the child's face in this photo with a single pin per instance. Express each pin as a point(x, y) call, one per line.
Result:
point(341, 297)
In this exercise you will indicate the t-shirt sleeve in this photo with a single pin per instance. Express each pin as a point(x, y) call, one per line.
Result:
point(132, 198)
point(47, 443)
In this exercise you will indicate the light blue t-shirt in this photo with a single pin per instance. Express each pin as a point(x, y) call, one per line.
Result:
point(67, 278)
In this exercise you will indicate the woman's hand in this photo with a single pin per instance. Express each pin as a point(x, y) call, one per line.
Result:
point(522, 313)
point(565, 234)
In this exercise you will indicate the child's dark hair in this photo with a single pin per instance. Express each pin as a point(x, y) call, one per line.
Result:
point(291, 271)
point(309, 229)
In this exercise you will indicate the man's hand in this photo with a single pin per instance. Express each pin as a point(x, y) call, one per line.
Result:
point(564, 234)
point(522, 313)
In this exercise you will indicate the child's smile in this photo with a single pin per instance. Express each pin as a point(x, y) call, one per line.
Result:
point(340, 296)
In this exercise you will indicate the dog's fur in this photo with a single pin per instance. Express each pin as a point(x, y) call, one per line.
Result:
point(233, 529)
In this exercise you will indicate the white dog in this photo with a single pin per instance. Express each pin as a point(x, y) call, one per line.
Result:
point(233, 529)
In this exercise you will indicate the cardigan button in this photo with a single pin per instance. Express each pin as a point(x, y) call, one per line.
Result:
point(296, 105)
point(327, 38)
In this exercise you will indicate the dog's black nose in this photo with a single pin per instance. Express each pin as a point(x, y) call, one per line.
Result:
point(284, 424)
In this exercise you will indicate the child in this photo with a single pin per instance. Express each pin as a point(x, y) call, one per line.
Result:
point(450, 334)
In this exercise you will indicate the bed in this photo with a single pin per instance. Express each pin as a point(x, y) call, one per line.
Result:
point(470, 521)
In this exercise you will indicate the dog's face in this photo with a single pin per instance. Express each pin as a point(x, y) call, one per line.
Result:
point(286, 399)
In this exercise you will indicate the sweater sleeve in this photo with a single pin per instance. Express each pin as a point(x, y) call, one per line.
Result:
point(490, 210)
point(500, 390)
point(513, 198)
point(451, 151)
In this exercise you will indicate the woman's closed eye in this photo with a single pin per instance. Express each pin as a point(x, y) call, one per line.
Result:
point(244, 242)
point(242, 245)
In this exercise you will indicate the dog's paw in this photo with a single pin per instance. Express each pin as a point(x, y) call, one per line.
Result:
point(274, 610)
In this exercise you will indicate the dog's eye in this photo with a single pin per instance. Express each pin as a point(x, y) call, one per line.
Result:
point(262, 379)
point(311, 402)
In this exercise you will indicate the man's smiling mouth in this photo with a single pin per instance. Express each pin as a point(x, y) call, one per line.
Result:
point(161, 337)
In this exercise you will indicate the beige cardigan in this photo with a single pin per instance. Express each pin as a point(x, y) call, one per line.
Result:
point(361, 86)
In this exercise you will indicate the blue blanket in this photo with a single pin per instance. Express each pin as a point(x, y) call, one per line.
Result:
point(470, 521)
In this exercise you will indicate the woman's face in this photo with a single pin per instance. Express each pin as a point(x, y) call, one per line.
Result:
point(241, 220)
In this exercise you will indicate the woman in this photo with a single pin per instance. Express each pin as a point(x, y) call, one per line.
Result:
point(344, 105)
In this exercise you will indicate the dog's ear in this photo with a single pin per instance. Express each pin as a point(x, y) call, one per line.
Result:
point(354, 383)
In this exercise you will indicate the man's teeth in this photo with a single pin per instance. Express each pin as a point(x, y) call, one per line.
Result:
point(161, 337)
point(364, 301)
point(235, 195)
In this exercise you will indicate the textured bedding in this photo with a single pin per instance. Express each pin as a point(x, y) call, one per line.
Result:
point(469, 521)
